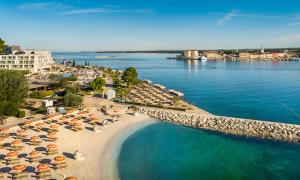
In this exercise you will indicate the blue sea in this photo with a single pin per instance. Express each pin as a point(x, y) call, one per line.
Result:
point(259, 90)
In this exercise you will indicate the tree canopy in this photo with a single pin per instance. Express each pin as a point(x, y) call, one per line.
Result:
point(13, 90)
point(130, 76)
point(97, 84)
point(72, 100)
point(2, 46)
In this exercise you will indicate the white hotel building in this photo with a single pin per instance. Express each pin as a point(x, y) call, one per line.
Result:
point(31, 60)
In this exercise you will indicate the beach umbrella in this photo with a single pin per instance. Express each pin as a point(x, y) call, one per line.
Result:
point(53, 126)
point(76, 124)
point(34, 154)
point(4, 129)
point(42, 167)
point(19, 167)
point(74, 120)
point(27, 122)
point(16, 143)
point(12, 154)
point(59, 159)
point(34, 138)
point(21, 131)
point(39, 124)
point(51, 134)
point(51, 146)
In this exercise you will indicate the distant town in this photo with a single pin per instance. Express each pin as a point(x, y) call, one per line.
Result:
point(284, 54)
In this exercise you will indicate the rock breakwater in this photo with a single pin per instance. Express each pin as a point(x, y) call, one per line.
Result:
point(228, 125)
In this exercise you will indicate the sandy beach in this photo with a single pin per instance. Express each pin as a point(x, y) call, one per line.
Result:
point(99, 149)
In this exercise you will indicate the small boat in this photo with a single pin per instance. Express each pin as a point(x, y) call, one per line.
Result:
point(203, 58)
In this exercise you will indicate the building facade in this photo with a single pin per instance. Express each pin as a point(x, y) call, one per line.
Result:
point(27, 60)
point(189, 54)
point(214, 55)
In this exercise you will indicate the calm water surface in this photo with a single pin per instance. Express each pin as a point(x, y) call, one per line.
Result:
point(259, 90)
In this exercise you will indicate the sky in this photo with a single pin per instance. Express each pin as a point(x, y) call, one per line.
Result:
point(99, 25)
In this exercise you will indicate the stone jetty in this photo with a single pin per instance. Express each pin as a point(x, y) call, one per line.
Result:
point(228, 125)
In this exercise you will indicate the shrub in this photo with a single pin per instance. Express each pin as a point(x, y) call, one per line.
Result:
point(41, 94)
point(21, 114)
point(72, 100)
point(97, 84)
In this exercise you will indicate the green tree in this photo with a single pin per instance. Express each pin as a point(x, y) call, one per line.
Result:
point(13, 91)
point(2, 46)
point(130, 76)
point(97, 84)
point(75, 89)
point(72, 100)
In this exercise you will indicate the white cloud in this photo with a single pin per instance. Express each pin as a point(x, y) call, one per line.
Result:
point(43, 5)
point(236, 13)
point(108, 9)
point(227, 17)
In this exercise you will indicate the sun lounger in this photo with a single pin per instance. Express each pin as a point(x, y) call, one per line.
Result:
point(52, 152)
point(58, 166)
point(22, 175)
point(35, 159)
point(17, 148)
point(44, 174)
point(12, 161)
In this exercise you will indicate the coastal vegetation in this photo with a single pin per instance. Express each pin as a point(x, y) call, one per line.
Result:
point(98, 84)
point(72, 100)
point(124, 81)
point(41, 94)
point(3, 47)
point(13, 91)
point(130, 76)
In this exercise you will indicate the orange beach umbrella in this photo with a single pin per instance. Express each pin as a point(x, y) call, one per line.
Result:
point(43, 167)
point(12, 154)
point(4, 129)
point(53, 126)
point(16, 143)
point(51, 146)
point(34, 153)
point(19, 167)
point(21, 131)
point(59, 158)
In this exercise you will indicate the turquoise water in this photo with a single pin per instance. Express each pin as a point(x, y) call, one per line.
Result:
point(164, 151)
point(259, 90)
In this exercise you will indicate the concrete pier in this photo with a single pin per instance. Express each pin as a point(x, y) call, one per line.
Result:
point(228, 125)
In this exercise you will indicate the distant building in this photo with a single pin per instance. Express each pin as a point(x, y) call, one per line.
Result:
point(31, 60)
point(214, 55)
point(189, 54)
point(244, 55)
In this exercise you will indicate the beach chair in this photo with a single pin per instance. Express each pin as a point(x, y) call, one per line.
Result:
point(52, 152)
point(35, 159)
point(13, 161)
point(44, 174)
point(20, 175)
point(59, 166)
point(52, 139)
point(1, 175)
point(35, 143)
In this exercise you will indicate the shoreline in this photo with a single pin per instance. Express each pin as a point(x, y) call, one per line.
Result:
point(112, 149)
point(99, 149)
